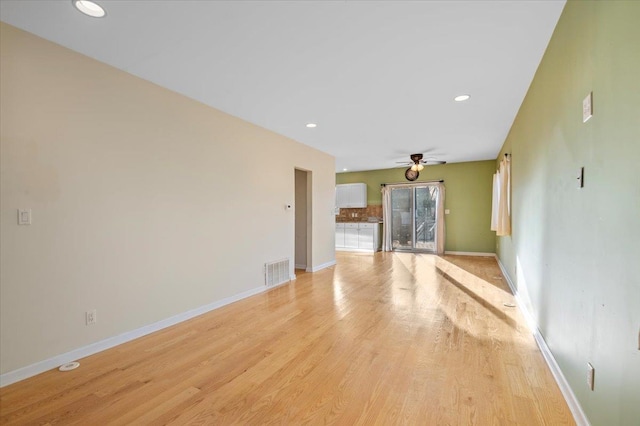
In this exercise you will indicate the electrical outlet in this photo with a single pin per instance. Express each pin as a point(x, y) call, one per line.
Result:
point(24, 216)
point(591, 375)
point(91, 317)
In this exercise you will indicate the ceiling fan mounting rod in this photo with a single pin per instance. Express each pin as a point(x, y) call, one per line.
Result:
point(416, 158)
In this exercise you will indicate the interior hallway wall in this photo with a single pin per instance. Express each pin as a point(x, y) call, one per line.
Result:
point(574, 253)
point(143, 207)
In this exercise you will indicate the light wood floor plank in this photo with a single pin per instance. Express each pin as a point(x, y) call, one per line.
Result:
point(383, 339)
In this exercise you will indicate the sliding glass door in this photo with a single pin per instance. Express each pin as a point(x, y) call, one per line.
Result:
point(413, 218)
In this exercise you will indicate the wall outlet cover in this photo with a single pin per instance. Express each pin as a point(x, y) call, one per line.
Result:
point(24, 216)
point(91, 317)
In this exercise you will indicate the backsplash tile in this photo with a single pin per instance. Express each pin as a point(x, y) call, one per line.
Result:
point(359, 215)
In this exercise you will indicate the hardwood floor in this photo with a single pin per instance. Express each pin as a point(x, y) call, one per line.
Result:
point(390, 338)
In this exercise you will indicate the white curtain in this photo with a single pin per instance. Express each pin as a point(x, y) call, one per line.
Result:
point(386, 219)
point(501, 202)
point(440, 234)
point(495, 197)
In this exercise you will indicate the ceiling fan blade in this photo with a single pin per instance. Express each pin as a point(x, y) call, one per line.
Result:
point(418, 159)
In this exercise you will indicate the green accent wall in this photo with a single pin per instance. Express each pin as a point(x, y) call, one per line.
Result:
point(468, 197)
point(575, 253)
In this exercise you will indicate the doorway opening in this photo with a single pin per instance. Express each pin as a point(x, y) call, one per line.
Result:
point(302, 208)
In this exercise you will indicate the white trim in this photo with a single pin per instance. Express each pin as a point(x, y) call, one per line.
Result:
point(54, 362)
point(300, 266)
point(470, 253)
point(323, 266)
point(357, 250)
point(574, 405)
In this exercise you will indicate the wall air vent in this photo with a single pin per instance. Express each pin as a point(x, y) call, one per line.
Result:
point(276, 273)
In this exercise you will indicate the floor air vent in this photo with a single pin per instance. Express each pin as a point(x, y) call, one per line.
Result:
point(276, 272)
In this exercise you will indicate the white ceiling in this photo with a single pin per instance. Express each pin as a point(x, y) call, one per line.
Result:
point(378, 77)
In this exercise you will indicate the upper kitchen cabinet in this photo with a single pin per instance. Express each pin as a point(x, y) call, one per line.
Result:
point(351, 195)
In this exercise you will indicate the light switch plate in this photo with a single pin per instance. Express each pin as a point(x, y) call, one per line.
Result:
point(587, 107)
point(24, 216)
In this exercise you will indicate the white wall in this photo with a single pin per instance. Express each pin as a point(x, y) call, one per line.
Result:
point(143, 206)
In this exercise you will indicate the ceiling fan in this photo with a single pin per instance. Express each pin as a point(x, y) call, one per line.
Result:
point(417, 164)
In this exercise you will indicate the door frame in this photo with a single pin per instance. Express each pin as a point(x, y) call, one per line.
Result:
point(305, 221)
point(412, 204)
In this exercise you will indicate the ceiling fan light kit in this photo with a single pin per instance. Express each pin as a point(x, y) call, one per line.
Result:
point(416, 165)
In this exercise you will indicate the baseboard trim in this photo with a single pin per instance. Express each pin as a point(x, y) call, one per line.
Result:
point(470, 253)
point(322, 266)
point(47, 364)
point(574, 405)
point(356, 250)
point(300, 266)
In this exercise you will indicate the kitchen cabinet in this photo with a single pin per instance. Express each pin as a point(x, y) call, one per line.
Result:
point(351, 195)
point(366, 237)
point(351, 235)
point(339, 234)
point(359, 236)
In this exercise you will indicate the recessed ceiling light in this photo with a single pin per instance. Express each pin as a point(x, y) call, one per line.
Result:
point(311, 125)
point(461, 98)
point(89, 8)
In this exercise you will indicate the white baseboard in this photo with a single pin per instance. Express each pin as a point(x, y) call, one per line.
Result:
point(578, 413)
point(47, 364)
point(323, 266)
point(470, 253)
point(300, 266)
point(357, 250)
